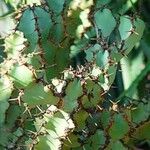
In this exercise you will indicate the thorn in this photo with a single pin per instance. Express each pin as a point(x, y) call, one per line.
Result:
point(39, 109)
point(13, 99)
point(103, 93)
point(18, 98)
point(123, 53)
point(100, 108)
point(114, 105)
point(120, 70)
point(34, 73)
point(49, 66)
point(133, 31)
point(108, 75)
point(109, 94)
point(84, 131)
point(27, 110)
point(69, 139)
point(31, 131)
point(114, 87)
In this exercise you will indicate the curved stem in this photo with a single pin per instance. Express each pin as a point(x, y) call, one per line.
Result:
point(136, 81)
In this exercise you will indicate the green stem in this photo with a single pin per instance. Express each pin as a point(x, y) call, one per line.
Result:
point(8, 14)
point(136, 81)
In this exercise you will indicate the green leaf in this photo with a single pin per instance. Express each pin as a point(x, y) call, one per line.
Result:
point(3, 107)
point(105, 118)
point(93, 122)
point(13, 44)
point(90, 52)
point(57, 31)
point(102, 2)
point(13, 113)
point(4, 136)
point(85, 102)
point(27, 22)
point(35, 23)
point(49, 52)
point(57, 59)
point(56, 5)
point(48, 142)
point(111, 74)
point(102, 58)
point(116, 146)
point(73, 91)
point(119, 127)
point(6, 88)
point(93, 92)
point(125, 27)
point(89, 56)
point(142, 132)
point(44, 22)
point(37, 94)
point(97, 140)
point(73, 21)
point(105, 21)
point(115, 55)
point(52, 125)
point(54, 122)
point(21, 75)
point(96, 98)
point(27, 25)
point(101, 79)
point(135, 36)
point(5, 93)
point(2, 47)
point(16, 135)
point(72, 141)
point(35, 61)
point(141, 113)
point(80, 124)
point(89, 86)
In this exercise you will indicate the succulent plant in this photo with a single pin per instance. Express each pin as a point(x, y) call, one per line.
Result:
point(48, 103)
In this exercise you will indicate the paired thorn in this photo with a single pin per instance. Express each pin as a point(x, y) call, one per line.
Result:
point(114, 106)
point(18, 98)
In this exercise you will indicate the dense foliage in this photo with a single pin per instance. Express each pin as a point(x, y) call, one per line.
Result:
point(57, 72)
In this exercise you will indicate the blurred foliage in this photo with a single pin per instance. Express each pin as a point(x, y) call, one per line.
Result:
point(74, 74)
